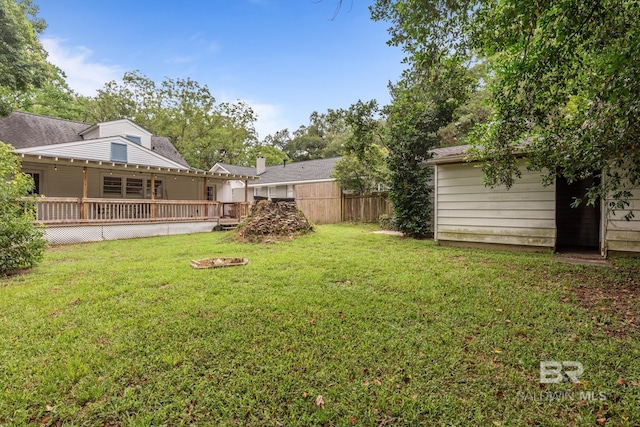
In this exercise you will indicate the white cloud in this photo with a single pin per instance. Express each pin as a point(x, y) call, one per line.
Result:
point(83, 76)
point(271, 118)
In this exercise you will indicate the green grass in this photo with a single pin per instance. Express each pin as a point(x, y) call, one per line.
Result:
point(388, 331)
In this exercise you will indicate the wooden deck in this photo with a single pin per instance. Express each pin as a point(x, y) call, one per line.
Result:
point(74, 211)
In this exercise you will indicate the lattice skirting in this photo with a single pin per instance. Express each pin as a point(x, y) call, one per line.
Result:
point(67, 234)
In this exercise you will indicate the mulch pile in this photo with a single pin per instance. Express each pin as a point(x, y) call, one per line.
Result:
point(272, 221)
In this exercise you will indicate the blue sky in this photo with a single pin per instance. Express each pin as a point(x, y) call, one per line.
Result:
point(285, 58)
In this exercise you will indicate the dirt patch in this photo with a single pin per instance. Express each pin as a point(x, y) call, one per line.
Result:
point(218, 262)
point(273, 221)
point(614, 308)
point(389, 232)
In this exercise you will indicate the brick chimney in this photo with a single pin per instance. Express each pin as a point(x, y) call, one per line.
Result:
point(261, 165)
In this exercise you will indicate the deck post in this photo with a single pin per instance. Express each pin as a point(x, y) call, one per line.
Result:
point(84, 214)
point(246, 190)
point(154, 212)
point(204, 197)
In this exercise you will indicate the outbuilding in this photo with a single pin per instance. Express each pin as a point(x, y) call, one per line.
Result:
point(528, 215)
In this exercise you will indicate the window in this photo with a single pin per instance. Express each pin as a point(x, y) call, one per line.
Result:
point(290, 193)
point(271, 192)
point(158, 185)
point(36, 182)
point(133, 138)
point(134, 187)
point(211, 193)
point(112, 185)
point(118, 152)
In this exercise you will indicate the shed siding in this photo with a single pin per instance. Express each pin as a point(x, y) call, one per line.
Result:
point(623, 235)
point(468, 211)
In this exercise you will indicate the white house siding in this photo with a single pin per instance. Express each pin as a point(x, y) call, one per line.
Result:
point(622, 235)
point(467, 211)
point(121, 128)
point(101, 150)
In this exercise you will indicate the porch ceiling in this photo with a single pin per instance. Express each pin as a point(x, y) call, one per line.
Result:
point(115, 166)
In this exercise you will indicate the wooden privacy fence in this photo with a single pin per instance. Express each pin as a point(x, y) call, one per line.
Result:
point(324, 203)
point(321, 202)
point(365, 208)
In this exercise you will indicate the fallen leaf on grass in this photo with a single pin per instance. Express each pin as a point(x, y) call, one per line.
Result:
point(621, 381)
point(353, 420)
point(377, 381)
point(75, 301)
point(497, 350)
point(320, 401)
point(305, 394)
point(601, 420)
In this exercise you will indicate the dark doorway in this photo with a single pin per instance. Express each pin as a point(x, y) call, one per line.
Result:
point(577, 228)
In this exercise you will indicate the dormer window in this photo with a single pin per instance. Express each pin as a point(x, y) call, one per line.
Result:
point(118, 152)
point(133, 138)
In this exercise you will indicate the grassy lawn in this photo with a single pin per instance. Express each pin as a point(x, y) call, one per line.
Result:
point(388, 331)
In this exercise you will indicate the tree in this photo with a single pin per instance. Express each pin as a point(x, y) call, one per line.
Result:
point(566, 82)
point(23, 64)
point(54, 99)
point(423, 102)
point(184, 111)
point(21, 242)
point(363, 168)
point(320, 139)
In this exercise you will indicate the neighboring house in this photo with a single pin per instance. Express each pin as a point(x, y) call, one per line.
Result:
point(310, 183)
point(528, 215)
point(99, 180)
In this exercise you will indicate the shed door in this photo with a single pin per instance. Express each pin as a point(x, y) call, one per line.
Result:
point(576, 227)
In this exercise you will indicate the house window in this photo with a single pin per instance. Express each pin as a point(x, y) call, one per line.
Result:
point(36, 182)
point(134, 187)
point(290, 193)
point(112, 185)
point(158, 184)
point(211, 193)
point(118, 152)
point(133, 138)
point(271, 192)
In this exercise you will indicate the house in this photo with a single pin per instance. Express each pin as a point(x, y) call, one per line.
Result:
point(528, 215)
point(114, 180)
point(309, 182)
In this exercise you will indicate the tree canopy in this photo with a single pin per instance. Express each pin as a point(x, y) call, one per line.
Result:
point(565, 81)
point(23, 64)
point(204, 131)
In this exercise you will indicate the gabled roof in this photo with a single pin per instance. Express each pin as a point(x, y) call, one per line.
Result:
point(235, 170)
point(141, 129)
point(310, 170)
point(25, 130)
point(446, 152)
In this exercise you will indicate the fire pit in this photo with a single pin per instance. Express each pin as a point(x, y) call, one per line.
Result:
point(218, 262)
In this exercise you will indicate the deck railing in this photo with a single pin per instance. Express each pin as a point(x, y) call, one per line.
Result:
point(71, 210)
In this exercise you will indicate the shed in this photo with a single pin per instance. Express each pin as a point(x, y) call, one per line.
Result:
point(527, 216)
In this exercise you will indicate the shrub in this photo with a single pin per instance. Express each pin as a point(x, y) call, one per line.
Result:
point(21, 242)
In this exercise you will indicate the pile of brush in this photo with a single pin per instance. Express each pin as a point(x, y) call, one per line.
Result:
point(273, 221)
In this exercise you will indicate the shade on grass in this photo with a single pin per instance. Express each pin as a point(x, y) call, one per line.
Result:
point(387, 330)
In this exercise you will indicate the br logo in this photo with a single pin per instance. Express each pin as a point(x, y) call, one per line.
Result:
point(552, 372)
